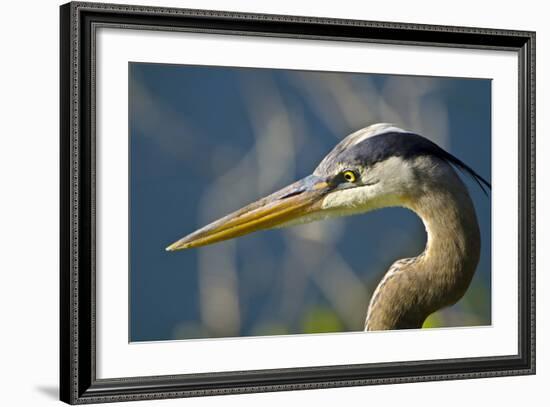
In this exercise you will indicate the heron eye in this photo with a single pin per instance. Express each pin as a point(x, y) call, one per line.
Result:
point(349, 176)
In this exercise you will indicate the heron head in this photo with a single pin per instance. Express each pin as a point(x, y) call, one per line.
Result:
point(378, 166)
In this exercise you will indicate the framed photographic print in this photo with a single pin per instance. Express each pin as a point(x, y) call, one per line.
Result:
point(257, 203)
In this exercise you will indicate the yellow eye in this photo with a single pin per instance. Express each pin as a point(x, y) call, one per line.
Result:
point(349, 176)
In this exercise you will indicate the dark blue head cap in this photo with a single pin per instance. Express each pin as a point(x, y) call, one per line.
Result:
point(377, 148)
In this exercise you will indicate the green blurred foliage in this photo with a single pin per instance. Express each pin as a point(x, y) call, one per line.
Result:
point(189, 330)
point(435, 320)
point(270, 328)
point(321, 320)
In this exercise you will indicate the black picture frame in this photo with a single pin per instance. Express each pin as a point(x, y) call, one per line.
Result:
point(78, 382)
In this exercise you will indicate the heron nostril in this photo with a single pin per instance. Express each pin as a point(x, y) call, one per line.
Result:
point(293, 193)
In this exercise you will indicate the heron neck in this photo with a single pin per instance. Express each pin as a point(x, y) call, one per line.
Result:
point(414, 288)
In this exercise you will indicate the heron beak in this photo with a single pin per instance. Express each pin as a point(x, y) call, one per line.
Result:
point(288, 205)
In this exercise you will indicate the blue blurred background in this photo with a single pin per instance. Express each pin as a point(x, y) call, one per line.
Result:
point(205, 141)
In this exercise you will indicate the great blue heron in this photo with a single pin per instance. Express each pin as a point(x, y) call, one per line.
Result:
point(376, 167)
